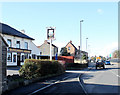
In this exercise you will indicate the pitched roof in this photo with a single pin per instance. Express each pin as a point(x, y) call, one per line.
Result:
point(52, 45)
point(4, 40)
point(8, 30)
point(47, 43)
point(72, 45)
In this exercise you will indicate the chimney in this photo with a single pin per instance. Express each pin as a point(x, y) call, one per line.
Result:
point(79, 47)
point(45, 41)
point(23, 31)
point(70, 41)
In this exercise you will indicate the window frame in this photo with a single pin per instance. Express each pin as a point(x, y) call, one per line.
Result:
point(10, 58)
point(26, 43)
point(10, 42)
point(17, 44)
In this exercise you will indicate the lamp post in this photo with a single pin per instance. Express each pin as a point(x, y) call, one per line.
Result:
point(86, 44)
point(86, 48)
point(80, 38)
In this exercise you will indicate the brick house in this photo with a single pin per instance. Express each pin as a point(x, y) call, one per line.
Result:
point(71, 48)
point(3, 62)
point(45, 50)
point(74, 51)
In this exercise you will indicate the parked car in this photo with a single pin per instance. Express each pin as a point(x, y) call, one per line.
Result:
point(107, 62)
point(100, 63)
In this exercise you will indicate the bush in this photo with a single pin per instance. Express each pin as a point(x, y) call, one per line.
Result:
point(33, 68)
point(75, 66)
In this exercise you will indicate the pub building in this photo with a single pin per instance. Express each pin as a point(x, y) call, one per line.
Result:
point(20, 46)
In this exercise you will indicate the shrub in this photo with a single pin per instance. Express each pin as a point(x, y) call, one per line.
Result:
point(33, 68)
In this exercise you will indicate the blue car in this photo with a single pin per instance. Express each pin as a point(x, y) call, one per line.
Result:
point(107, 62)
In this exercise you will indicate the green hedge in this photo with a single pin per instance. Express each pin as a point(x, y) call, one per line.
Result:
point(33, 68)
point(75, 66)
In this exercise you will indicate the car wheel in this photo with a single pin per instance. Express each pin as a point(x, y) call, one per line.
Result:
point(103, 67)
point(96, 67)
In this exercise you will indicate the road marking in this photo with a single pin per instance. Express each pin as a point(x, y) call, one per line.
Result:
point(115, 74)
point(82, 85)
point(48, 85)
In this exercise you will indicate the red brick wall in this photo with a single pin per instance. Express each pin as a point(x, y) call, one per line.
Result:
point(67, 59)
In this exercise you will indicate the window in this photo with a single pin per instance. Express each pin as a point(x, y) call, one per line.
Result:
point(9, 57)
point(68, 48)
point(26, 45)
point(26, 56)
point(33, 56)
point(9, 42)
point(29, 57)
point(23, 57)
point(40, 53)
point(14, 58)
point(18, 44)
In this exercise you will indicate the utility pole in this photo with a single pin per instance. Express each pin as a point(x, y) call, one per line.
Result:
point(80, 39)
point(50, 49)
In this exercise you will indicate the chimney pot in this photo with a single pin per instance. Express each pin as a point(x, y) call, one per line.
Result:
point(70, 41)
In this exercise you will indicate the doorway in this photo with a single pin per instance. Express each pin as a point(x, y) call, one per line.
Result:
point(18, 59)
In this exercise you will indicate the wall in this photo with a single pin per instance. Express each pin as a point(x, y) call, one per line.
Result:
point(67, 59)
point(31, 46)
point(3, 55)
point(45, 49)
point(72, 49)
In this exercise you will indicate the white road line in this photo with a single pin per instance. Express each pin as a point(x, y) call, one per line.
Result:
point(41, 89)
point(48, 85)
point(82, 86)
point(115, 74)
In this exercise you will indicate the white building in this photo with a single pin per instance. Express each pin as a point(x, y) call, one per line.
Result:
point(20, 46)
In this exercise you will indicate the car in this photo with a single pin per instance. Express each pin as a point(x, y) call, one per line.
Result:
point(107, 62)
point(100, 63)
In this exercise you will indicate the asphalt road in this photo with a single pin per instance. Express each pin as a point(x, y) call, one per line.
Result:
point(66, 84)
point(102, 81)
point(76, 82)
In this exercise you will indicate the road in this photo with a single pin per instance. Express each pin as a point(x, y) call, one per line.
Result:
point(102, 81)
point(66, 84)
point(76, 82)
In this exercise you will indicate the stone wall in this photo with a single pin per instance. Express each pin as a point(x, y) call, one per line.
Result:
point(3, 56)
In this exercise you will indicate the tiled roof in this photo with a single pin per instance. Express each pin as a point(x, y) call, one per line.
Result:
point(8, 30)
point(72, 45)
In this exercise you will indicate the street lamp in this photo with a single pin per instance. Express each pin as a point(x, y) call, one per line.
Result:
point(80, 38)
point(86, 44)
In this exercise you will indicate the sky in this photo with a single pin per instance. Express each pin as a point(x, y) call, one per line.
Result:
point(100, 23)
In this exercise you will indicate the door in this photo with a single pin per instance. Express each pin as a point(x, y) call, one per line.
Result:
point(18, 59)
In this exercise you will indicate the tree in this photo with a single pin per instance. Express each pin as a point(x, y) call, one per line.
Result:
point(84, 57)
point(64, 52)
point(116, 54)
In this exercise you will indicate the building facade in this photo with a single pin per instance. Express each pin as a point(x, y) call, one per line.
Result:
point(74, 51)
point(45, 49)
point(20, 46)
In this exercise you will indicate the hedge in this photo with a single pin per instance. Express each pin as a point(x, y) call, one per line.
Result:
point(34, 68)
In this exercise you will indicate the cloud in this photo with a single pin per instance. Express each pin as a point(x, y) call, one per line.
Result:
point(99, 11)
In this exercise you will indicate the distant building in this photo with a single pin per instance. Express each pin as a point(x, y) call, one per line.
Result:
point(74, 51)
point(71, 48)
point(20, 46)
point(45, 50)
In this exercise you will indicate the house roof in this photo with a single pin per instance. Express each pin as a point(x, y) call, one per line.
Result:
point(4, 41)
point(8, 30)
point(72, 45)
point(47, 43)
point(52, 45)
